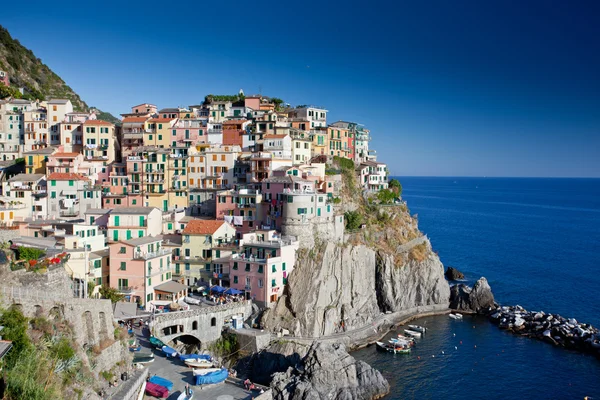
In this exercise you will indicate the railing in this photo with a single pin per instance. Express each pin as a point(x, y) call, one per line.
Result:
point(69, 213)
point(146, 256)
point(125, 289)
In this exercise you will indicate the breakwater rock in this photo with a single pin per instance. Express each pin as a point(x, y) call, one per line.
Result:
point(328, 372)
point(478, 299)
point(551, 328)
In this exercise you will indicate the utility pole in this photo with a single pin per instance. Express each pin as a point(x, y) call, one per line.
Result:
point(85, 270)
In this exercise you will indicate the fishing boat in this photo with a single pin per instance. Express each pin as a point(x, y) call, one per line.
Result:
point(412, 333)
point(418, 328)
point(198, 363)
point(455, 316)
point(212, 377)
point(184, 357)
point(393, 348)
point(408, 338)
point(156, 342)
point(135, 348)
point(161, 382)
point(187, 394)
point(402, 342)
point(155, 390)
point(169, 351)
point(143, 358)
point(204, 371)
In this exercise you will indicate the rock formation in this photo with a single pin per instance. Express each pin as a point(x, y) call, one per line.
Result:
point(328, 372)
point(478, 299)
point(452, 274)
point(339, 288)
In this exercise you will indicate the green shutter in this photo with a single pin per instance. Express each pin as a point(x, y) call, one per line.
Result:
point(115, 235)
point(117, 220)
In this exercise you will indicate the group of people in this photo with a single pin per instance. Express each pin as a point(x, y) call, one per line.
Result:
point(225, 298)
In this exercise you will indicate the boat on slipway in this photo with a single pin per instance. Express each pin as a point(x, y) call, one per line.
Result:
point(198, 363)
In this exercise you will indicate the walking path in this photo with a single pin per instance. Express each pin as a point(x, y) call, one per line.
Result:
point(403, 248)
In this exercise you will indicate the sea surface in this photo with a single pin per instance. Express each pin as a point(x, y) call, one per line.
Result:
point(537, 241)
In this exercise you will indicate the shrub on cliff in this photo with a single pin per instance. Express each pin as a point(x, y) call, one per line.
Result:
point(395, 186)
point(353, 220)
point(29, 253)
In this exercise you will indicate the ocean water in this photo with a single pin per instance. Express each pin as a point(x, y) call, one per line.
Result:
point(537, 241)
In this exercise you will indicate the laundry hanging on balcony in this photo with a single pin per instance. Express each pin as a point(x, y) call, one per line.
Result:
point(238, 220)
point(228, 218)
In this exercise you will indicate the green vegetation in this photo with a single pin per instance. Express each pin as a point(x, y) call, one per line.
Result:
point(9, 91)
point(111, 294)
point(108, 117)
point(223, 97)
point(227, 345)
point(336, 200)
point(277, 102)
point(29, 72)
point(395, 186)
point(344, 163)
point(29, 253)
point(386, 196)
point(354, 220)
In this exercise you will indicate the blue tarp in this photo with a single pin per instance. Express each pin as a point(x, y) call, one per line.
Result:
point(162, 382)
point(183, 357)
point(212, 377)
point(169, 351)
point(217, 289)
point(233, 291)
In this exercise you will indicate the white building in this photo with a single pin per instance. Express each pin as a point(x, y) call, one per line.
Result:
point(278, 145)
point(373, 176)
point(29, 190)
point(316, 116)
point(301, 151)
point(71, 195)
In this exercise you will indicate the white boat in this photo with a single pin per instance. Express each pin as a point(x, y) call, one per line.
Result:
point(418, 328)
point(412, 333)
point(393, 348)
point(205, 371)
point(186, 396)
point(455, 316)
point(190, 362)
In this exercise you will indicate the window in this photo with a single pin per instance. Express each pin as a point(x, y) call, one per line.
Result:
point(283, 266)
point(247, 267)
point(194, 325)
point(123, 283)
point(52, 183)
point(235, 279)
point(213, 321)
point(123, 266)
point(273, 268)
point(260, 269)
point(122, 250)
point(273, 283)
point(149, 281)
point(97, 263)
point(235, 266)
point(260, 283)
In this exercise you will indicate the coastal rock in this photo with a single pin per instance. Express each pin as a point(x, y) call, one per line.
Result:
point(452, 274)
point(277, 357)
point(328, 372)
point(478, 299)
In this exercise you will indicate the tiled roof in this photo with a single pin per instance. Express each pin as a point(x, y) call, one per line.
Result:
point(202, 227)
point(26, 177)
point(67, 176)
point(97, 122)
point(134, 120)
point(274, 136)
point(162, 119)
point(65, 155)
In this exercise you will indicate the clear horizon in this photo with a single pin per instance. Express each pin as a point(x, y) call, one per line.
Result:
point(446, 90)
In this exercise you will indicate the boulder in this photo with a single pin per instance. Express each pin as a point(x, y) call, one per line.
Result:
point(478, 299)
point(328, 372)
point(452, 274)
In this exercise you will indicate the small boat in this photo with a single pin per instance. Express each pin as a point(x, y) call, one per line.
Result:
point(198, 363)
point(455, 316)
point(169, 351)
point(161, 382)
point(156, 342)
point(184, 357)
point(204, 371)
point(155, 390)
point(393, 348)
point(418, 328)
point(412, 333)
point(143, 358)
point(407, 338)
point(135, 348)
point(186, 396)
point(402, 342)
point(212, 377)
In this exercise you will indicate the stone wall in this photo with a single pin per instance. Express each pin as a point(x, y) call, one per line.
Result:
point(205, 324)
point(54, 283)
point(326, 229)
point(252, 340)
point(8, 234)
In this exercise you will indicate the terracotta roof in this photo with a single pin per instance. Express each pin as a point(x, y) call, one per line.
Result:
point(65, 155)
point(134, 120)
point(274, 136)
point(97, 122)
point(67, 176)
point(202, 227)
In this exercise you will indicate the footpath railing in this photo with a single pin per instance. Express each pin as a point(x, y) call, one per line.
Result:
point(131, 388)
point(12, 292)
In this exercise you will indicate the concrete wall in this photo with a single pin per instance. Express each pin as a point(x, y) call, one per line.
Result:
point(252, 340)
point(205, 324)
point(324, 228)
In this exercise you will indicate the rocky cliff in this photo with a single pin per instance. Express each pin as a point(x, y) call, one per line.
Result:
point(336, 288)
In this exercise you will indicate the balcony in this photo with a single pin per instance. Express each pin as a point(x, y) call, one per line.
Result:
point(125, 289)
point(249, 218)
point(71, 212)
point(245, 205)
point(150, 255)
point(155, 192)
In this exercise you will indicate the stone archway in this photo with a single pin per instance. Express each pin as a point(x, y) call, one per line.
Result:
point(103, 329)
point(186, 344)
point(88, 325)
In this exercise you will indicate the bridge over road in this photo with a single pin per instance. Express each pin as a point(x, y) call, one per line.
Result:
point(205, 323)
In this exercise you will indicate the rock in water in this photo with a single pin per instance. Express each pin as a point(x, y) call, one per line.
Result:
point(452, 274)
point(328, 372)
point(477, 299)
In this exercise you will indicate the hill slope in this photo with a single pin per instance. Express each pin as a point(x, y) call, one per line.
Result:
point(40, 82)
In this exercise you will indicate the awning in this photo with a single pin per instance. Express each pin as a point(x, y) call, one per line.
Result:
point(217, 289)
point(233, 291)
point(171, 287)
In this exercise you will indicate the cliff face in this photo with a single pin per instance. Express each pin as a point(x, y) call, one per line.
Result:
point(345, 287)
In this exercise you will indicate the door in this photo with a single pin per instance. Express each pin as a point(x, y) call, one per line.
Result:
point(128, 235)
point(165, 205)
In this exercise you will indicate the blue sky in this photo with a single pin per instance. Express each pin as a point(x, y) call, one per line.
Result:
point(447, 88)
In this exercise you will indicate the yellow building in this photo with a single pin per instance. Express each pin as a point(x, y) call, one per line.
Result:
point(338, 141)
point(320, 142)
point(158, 132)
point(35, 160)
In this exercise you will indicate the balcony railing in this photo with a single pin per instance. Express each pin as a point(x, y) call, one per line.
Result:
point(149, 255)
point(69, 213)
point(125, 289)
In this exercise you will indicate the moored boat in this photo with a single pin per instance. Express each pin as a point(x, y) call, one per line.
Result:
point(212, 377)
point(402, 342)
point(155, 390)
point(143, 358)
point(412, 333)
point(186, 396)
point(184, 357)
point(455, 316)
point(169, 351)
point(198, 363)
point(156, 342)
point(393, 348)
point(204, 371)
point(418, 328)
point(161, 382)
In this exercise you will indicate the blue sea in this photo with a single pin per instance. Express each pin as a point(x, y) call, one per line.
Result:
point(537, 241)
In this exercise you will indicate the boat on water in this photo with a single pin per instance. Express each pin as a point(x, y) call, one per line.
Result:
point(402, 342)
point(143, 358)
point(455, 316)
point(418, 328)
point(393, 348)
point(161, 382)
point(212, 377)
point(169, 351)
point(184, 357)
point(156, 342)
point(408, 338)
point(198, 363)
point(155, 390)
point(414, 334)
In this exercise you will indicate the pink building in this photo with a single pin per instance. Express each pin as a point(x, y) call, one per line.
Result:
point(242, 208)
point(115, 191)
point(272, 189)
point(64, 162)
point(252, 102)
point(4, 78)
